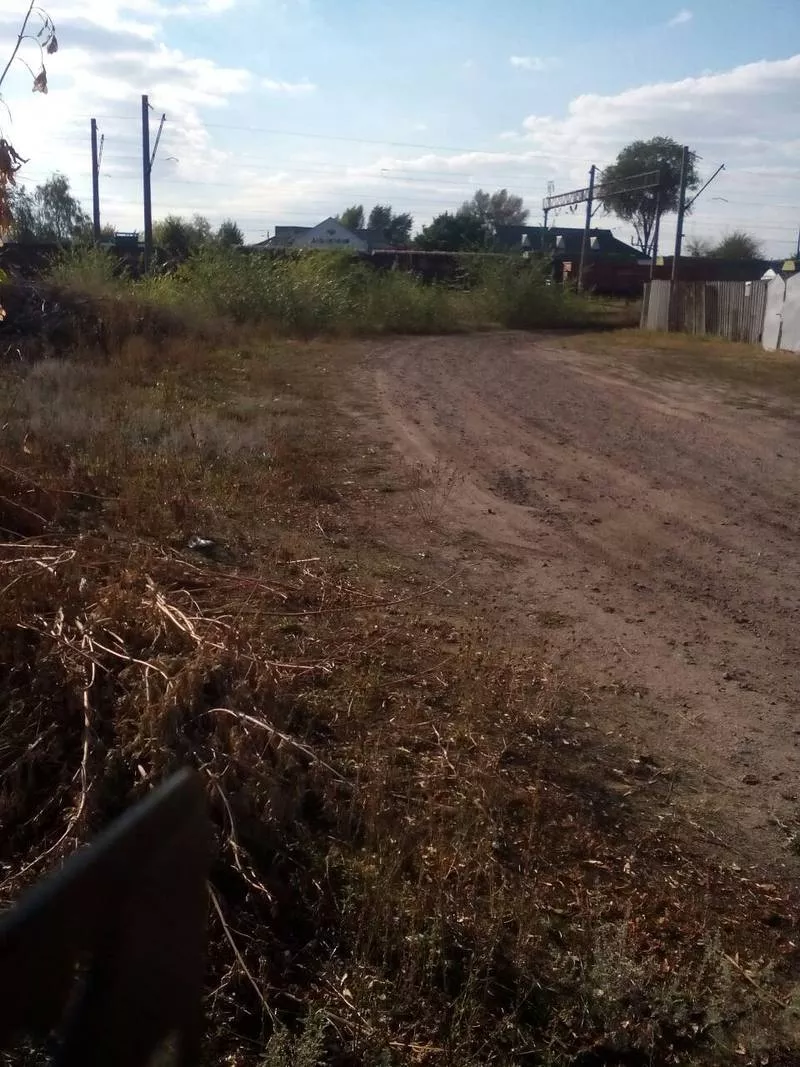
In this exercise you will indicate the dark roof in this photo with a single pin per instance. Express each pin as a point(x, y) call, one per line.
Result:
point(541, 240)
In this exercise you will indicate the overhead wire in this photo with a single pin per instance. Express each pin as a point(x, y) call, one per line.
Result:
point(291, 168)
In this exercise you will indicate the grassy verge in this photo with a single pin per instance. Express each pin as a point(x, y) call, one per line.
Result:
point(745, 367)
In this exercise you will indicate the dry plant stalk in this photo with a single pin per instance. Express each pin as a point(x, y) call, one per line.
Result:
point(10, 160)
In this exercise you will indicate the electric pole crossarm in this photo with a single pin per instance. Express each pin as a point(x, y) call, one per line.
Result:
point(650, 179)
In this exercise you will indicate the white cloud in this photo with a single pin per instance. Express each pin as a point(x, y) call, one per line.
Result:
point(301, 88)
point(538, 64)
point(111, 49)
point(683, 16)
point(108, 53)
point(744, 117)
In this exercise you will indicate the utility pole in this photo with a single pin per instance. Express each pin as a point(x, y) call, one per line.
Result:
point(657, 227)
point(797, 253)
point(95, 185)
point(146, 170)
point(587, 227)
point(681, 211)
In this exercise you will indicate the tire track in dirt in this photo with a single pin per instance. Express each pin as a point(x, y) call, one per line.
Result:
point(660, 520)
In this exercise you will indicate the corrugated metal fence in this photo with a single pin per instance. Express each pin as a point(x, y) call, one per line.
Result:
point(733, 310)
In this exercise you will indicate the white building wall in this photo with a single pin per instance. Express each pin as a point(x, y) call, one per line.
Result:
point(332, 235)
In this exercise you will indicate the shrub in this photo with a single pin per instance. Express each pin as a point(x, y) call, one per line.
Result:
point(93, 270)
point(310, 294)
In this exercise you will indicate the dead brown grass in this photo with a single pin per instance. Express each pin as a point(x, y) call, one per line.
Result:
point(744, 368)
point(417, 861)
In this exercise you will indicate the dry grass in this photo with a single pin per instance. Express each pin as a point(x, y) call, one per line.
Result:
point(417, 861)
point(744, 368)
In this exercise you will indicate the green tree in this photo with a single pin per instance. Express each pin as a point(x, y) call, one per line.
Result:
point(49, 213)
point(500, 208)
point(453, 233)
point(399, 230)
point(202, 229)
point(738, 245)
point(175, 236)
point(179, 237)
point(353, 217)
point(229, 235)
point(380, 218)
point(395, 229)
point(639, 207)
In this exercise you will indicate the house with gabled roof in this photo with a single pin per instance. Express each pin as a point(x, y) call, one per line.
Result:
point(328, 234)
point(564, 242)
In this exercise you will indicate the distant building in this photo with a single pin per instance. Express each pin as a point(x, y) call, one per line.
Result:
point(564, 242)
point(328, 234)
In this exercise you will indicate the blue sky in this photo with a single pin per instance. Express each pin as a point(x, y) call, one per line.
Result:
point(289, 110)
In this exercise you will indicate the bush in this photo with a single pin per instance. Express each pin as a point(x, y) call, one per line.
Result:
point(519, 294)
point(312, 294)
point(93, 270)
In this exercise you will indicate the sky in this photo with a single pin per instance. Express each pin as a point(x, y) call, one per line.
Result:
point(288, 111)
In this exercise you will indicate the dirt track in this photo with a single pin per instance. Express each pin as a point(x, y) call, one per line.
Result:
point(648, 528)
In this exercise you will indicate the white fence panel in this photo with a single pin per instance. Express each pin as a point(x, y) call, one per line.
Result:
point(655, 307)
point(776, 291)
point(790, 330)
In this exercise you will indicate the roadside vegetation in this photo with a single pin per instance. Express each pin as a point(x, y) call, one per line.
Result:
point(417, 860)
point(306, 295)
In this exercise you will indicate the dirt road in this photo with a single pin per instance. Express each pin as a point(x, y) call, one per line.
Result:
point(648, 528)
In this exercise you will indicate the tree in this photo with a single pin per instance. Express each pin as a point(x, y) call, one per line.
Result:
point(380, 218)
point(495, 209)
point(738, 245)
point(229, 235)
point(735, 245)
point(699, 246)
point(49, 213)
point(174, 235)
point(395, 229)
point(353, 217)
point(201, 229)
point(639, 208)
point(399, 230)
point(179, 237)
point(453, 233)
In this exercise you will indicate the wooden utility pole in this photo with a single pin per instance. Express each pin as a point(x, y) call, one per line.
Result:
point(657, 226)
point(146, 170)
point(681, 212)
point(95, 185)
point(587, 227)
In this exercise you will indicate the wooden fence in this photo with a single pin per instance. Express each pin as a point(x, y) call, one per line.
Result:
point(733, 310)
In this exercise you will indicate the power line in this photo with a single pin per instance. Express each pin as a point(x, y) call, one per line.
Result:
point(304, 134)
